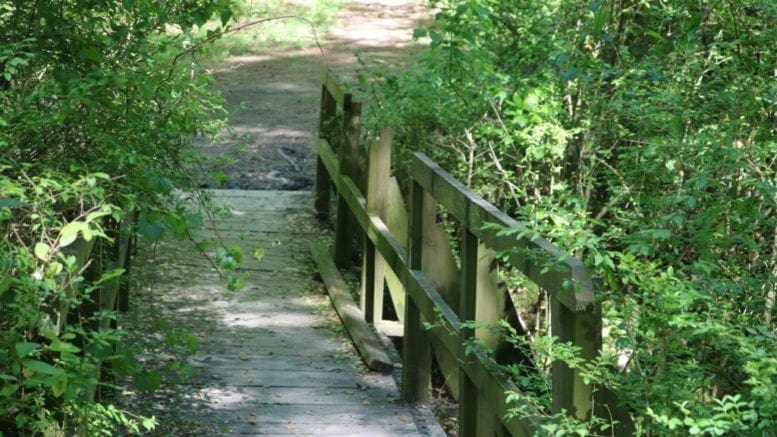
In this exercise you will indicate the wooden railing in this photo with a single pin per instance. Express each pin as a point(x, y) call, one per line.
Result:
point(111, 295)
point(370, 212)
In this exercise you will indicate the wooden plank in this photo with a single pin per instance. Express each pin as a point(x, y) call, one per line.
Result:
point(353, 159)
point(390, 328)
point(567, 278)
point(373, 266)
point(583, 329)
point(468, 392)
point(397, 223)
point(303, 396)
point(370, 306)
point(292, 199)
point(277, 378)
point(439, 266)
point(490, 297)
point(323, 192)
point(323, 414)
point(365, 340)
point(122, 304)
point(323, 181)
point(417, 353)
point(329, 159)
point(492, 386)
point(323, 361)
point(320, 429)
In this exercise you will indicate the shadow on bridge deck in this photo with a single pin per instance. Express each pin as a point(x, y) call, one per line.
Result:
point(270, 359)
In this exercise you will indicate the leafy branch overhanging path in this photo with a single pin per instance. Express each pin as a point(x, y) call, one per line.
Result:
point(270, 359)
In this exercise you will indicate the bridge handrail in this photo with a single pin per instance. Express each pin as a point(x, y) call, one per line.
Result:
point(431, 306)
point(576, 317)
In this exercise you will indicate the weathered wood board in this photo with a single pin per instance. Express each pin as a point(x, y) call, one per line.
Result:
point(268, 359)
point(365, 340)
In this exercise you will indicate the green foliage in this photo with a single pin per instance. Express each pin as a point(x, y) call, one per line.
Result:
point(638, 136)
point(277, 23)
point(96, 118)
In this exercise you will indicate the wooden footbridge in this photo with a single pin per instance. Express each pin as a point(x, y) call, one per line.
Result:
point(267, 364)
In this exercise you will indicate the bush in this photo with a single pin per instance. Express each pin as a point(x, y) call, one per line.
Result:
point(96, 118)
point(639, 136)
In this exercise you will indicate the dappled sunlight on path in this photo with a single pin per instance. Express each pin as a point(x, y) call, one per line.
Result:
point(270, 358)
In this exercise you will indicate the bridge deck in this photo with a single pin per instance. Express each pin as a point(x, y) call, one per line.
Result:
point(268, 359)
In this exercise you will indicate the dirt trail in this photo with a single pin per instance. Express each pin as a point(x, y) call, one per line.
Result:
point(275, 92)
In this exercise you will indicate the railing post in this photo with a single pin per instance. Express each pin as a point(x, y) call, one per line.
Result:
point(346, 227)
point(323, 182)
point(468, 392)
point(128, 231)
point(374, 268)
point(416, 350)
point(583, 329)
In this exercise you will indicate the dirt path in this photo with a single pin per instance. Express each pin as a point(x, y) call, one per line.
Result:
point(275, 92)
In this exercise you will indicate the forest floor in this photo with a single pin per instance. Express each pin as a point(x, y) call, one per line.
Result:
point(273, 93)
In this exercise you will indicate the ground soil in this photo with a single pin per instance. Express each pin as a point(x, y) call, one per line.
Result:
point(273, 93)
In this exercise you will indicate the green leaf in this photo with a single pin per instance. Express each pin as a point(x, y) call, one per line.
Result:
point(110, 274)
point(9, 390)
point(53, 269)
point(419, 33)
point(224, 259)
point(147, 381)
point(23, 349)
point(235, 283)
point(90, 54)
point(226, 15)
point(220, 178)
point(42, 251)
point(436, 38)
point(41, 367)
point(94, 215)
point(152, 231)
point(88, 233)
point(259, 253)
point(236, 252)
point(69, 233)
point(5, 284)
point(11, 203)
point(148, 423)
point(62, 346)
point(59, 388)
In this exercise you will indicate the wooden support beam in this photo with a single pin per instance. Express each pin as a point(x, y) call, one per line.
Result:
point(373, 266)
point(365, 340)
point(468, 392)
point(584, 330)
point(326, 126)
point(417, 348)
point(353, 160)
